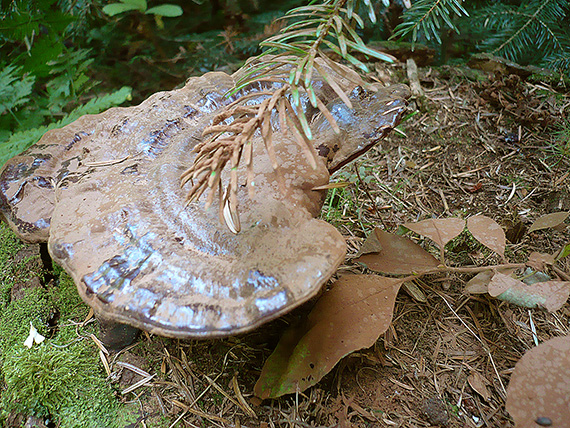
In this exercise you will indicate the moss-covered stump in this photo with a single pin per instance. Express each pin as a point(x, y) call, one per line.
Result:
point(61, 379)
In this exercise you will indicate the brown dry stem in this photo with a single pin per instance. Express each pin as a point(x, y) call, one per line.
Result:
point(230, 137)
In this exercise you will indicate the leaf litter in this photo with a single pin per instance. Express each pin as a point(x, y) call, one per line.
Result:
point(348, 317)
point(538, 391)
point(551, 295)
point(441, 230)
point(488, 232)
point(397, 255)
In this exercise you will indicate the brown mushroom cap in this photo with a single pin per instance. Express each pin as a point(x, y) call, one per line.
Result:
point(105, 193)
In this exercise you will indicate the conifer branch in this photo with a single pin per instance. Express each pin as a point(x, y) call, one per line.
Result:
point(291, 63)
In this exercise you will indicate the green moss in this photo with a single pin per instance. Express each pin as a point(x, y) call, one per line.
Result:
point(35, 307)
point(62, 378)
point(11, 273)
point(66, 383)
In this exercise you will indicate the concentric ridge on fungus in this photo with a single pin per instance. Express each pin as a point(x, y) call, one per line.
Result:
point(104, 193)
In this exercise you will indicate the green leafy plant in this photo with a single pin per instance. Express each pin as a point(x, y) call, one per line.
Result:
point(13, 144)
point(562, 140)
point(61, 378)
point(43, 74)
point(528, 32)
point(168, 10)
point(15, 88)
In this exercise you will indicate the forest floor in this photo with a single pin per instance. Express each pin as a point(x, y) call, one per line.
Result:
point(492, 145)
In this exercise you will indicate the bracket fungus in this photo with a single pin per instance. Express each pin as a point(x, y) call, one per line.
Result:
point(104, 192)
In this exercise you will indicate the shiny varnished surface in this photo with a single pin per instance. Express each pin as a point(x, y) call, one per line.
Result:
point(104, 192)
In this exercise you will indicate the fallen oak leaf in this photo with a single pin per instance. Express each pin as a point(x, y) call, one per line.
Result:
point(440, 231)
point(549, 220)
point(537, 394)
point(479, 384)
point(488, 232)
point(549, 294)
point(395, 254)
point(350, 316)
point(539, 260)
point(479, 284)
point(371, 245)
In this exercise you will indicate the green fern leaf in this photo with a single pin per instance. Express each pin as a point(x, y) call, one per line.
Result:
point(14, 88)
point(20, 141)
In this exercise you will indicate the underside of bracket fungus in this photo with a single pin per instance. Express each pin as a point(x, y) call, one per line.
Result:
point(104, 193)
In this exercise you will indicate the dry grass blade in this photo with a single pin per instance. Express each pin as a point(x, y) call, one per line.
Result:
point(335, 185)
point(200, 413)
point(221, 391)
point(243, 404)
point(133, 368)
point(103, 359)
point(88, 317)
point(99, 344)
point(137, 385)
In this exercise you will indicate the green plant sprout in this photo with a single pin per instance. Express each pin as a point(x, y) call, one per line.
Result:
point(168, 10)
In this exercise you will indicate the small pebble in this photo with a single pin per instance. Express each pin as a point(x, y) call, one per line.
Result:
point(543, 421)
point(435, 411)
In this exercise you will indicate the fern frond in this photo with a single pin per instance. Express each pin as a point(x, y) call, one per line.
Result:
point(14, 88)
point(20, 141)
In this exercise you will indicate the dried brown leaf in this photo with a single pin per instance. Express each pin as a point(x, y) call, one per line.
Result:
point(479, 284)
point(549, 220)
point(350, 316)
point(549, 294)
point(440, 231)
point(488, 232)
point(397, 255)
point(539, 260)
point(371, 245)
point(538, 390)
point(479, 385)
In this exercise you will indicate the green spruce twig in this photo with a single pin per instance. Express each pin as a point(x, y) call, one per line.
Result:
point(292, 61)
